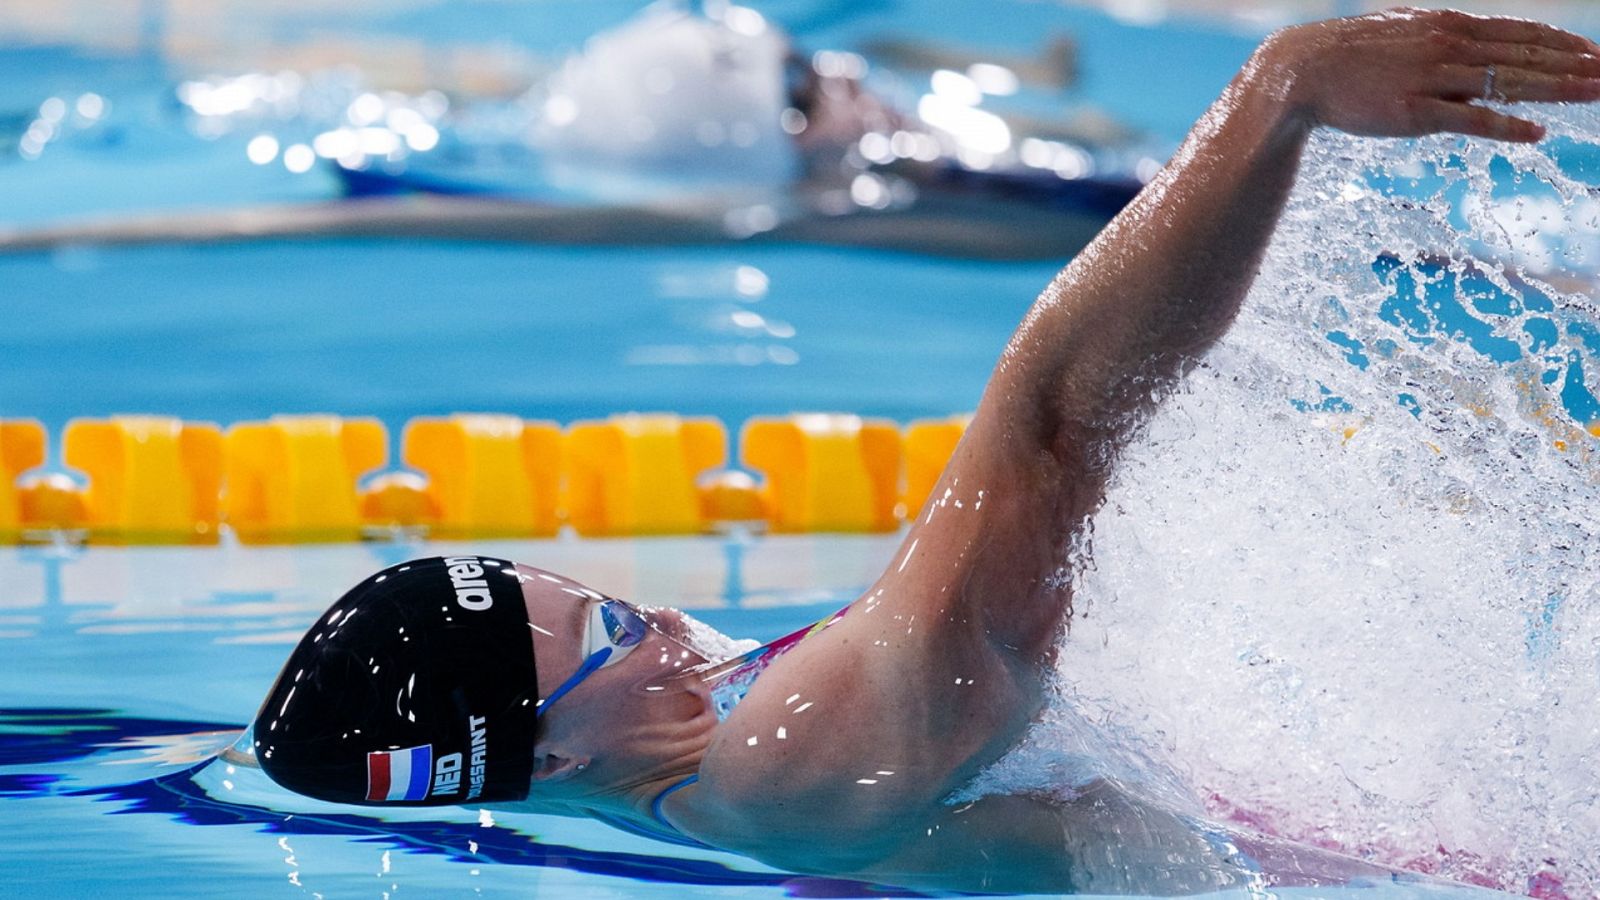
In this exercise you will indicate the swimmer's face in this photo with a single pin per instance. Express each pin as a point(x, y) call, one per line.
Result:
point(559, 613)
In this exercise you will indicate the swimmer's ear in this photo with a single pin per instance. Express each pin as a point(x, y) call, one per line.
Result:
point(549, 768)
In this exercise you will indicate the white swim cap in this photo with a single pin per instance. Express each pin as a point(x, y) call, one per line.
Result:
point(671, 100)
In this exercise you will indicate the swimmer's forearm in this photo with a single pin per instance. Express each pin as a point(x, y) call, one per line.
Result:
point(1167, 276)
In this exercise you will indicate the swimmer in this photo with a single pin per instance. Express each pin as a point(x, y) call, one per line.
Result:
point(683, 127)
point(471, 680)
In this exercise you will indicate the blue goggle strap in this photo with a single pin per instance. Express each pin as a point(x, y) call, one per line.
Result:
point(595, 661)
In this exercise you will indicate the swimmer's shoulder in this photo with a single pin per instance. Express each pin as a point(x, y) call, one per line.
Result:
point(893, 672)
point(835, 746)
point(779, 771)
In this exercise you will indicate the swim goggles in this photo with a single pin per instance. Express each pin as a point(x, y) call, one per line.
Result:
point(613, 630)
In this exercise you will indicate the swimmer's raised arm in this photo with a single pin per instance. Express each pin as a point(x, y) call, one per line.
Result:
point(1166, 276)
point(841, 757)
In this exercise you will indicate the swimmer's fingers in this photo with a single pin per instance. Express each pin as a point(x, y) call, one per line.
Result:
point(1514, 85)
point(1510, 30)
point(1532, 57)
point(1431, 115)
point(1408, 73)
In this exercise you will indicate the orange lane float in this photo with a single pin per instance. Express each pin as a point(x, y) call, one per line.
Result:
point(22, 445)
point(637, 473)
point(294, 478)
point(929, 444)
point(151, 480)
point(825, 471)
point(487, 475)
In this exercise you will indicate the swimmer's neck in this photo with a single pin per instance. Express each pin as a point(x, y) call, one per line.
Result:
point(658, 752)
point(670, 751)
point(677, 758)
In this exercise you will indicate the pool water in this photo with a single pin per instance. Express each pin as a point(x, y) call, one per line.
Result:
point(121, 669)
point(227, 333)
point(134, 658)
point(141, 663)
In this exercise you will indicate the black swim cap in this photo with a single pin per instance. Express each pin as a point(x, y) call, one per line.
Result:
point(417, 687)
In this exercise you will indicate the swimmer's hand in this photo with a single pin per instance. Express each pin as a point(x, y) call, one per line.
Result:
point(1408, 72)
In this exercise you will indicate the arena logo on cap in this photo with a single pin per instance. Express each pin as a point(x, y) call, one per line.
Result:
point(466, 576)
point(399, 775)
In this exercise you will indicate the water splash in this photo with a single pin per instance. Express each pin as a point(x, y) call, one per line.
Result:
point(1346, 581)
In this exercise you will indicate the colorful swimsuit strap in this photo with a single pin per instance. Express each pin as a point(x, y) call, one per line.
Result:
point(733, 678)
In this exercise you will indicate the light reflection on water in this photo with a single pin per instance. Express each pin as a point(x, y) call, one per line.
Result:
point(1274, 708)
point(235, 594)
point(137, 656)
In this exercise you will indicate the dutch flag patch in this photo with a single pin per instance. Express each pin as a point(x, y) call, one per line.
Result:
point(394, 775)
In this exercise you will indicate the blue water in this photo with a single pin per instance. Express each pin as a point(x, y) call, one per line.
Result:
point(107, 654)
point(396, 330)
point(111, 653)
point(142, 157)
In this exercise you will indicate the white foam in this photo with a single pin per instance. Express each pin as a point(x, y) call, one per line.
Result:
point(1389, 642)
point(713, 644)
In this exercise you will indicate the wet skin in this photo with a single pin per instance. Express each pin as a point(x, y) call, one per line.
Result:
point(839, 758)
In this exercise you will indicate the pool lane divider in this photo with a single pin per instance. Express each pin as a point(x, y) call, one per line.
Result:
point(638, 474)
point(293, 479)
point(151, 479)
point(22, 447)
point(482, 476)
point(321, 478)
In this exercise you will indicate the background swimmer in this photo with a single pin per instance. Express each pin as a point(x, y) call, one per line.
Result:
point(841, 755)
point(680, 127)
